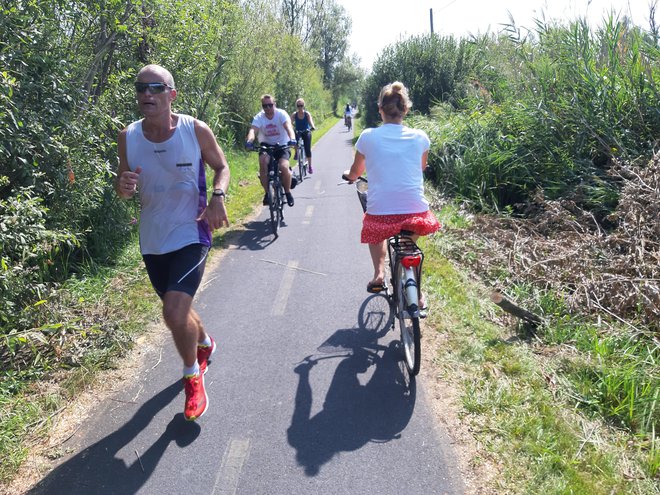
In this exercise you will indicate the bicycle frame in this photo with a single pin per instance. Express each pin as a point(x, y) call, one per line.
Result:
point(403, 250)
point(406, 259)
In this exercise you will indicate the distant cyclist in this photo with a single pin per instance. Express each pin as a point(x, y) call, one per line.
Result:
point(348, 116)
point(273, 126)
point(303, 124)
point(394, 157)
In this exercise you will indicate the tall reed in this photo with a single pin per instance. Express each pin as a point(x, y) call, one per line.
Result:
point(576, 98)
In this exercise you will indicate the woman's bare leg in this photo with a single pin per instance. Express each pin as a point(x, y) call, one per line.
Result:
point(377, 252)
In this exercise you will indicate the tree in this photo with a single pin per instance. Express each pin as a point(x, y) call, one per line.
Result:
point(347, 80)
point(295, 13)
point(329, 30)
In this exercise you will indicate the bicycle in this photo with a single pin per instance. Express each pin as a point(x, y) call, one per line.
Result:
point(405, 261)
point(275, 191)
point(348, 122)
point(302, 155)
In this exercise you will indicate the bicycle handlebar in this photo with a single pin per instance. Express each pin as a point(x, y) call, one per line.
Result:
point(361, 183)
point(359, 179)
point(269, 147)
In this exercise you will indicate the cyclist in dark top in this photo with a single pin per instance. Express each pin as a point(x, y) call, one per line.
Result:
point(303, 124)
point(348, 115)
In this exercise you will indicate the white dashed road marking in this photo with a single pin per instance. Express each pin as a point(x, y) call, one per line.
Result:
point(226, 482)
point(285, 289)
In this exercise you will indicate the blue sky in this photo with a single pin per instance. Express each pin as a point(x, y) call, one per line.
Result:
point(378, 23)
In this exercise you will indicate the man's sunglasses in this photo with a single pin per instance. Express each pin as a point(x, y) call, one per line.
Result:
point(267, 105)
point(155, 88)
point(300, 106)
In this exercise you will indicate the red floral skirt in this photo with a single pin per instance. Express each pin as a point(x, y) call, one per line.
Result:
point(377, 228)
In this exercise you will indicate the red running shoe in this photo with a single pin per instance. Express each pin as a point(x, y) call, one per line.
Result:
point(203, 354)
point(196, 399)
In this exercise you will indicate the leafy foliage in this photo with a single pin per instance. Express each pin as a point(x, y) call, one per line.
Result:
point(347, 82)
point(28, 249)
point(66, 79)
point(435, 69)
point(329, 36)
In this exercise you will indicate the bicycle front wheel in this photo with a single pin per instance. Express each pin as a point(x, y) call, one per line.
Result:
point(408, 323)
point(273, 205)
point(302, 163)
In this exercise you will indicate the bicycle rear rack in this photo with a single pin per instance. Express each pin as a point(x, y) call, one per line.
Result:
point(405, 246)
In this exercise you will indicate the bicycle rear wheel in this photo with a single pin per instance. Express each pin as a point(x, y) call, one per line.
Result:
point(408, 324)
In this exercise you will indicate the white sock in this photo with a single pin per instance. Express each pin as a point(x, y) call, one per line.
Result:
point(192, 370)
point(206, 342)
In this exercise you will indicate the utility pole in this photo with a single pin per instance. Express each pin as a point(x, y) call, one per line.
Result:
point(431, 14)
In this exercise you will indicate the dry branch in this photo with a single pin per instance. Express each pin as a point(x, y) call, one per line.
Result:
point(514, 309)
point(558, 247)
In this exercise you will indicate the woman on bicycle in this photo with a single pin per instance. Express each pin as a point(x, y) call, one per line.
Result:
point(303, 124)
point(394, 157)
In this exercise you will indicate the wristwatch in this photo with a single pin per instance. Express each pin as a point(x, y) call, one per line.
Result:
point(218, 192)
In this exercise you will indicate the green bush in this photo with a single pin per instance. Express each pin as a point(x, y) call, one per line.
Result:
point(29, 250)
point(434, 69)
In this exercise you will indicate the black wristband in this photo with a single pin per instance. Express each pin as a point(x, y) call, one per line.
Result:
point(218, 192)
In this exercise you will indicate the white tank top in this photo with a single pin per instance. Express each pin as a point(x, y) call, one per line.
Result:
point(171, 187)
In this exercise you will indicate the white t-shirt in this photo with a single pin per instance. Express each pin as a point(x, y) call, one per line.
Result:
point(272, 131)
point(172, 188)
point(393, 159)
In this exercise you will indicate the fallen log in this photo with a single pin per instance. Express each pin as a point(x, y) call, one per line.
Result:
point(515, 310)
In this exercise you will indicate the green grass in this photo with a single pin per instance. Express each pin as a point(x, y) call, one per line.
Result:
point(87, 341)
point(573, 409)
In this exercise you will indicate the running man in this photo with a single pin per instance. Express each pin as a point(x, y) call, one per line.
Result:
point(162, 156)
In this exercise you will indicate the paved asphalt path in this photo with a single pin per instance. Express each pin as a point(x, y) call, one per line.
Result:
point(307, 391)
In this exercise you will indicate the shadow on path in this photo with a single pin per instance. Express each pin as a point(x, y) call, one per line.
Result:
point(98, 470)
point(256, 236)
point(353, 413)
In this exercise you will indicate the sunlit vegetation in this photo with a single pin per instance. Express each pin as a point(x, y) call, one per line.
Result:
point(542, 157)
